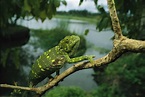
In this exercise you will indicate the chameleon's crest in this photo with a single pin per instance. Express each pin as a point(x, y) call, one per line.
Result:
point(70, 46)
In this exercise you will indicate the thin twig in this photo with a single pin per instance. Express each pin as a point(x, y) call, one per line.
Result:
point(18, 87)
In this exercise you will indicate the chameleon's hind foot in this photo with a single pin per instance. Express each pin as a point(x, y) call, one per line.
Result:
point(50, 78)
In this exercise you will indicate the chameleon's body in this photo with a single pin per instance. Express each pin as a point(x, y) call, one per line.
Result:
point(54, 59)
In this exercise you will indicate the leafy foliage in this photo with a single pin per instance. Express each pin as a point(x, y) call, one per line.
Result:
point(131, 16)
point(5, 56)
point(39, 9)
point(11, 68)
point(65, 92)
point(123, 78)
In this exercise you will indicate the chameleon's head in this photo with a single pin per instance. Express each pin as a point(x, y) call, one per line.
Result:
point(70, 44)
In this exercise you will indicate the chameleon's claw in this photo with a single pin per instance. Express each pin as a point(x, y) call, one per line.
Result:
point(90, 58)
point(56, 76)
point(50, 78)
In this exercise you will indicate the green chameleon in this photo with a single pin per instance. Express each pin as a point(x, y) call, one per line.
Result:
point(54, 59)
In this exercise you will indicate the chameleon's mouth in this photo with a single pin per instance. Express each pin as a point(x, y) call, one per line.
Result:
point(75, 46)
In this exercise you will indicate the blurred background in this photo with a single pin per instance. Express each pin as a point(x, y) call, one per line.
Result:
point(30, 27)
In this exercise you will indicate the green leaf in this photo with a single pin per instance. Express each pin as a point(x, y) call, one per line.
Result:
point(86, 31)
point(99, 25)
point(5, 56)
point(81, 1)
point(56, 3)
point(16, 58)
point(64, 2)
point(96, 2)
point(50, 11)
point(103, 23)
point(43, 15)
point(101, 9)
point(26, 6)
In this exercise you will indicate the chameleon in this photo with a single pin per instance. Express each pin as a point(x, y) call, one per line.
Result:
point(54, 59)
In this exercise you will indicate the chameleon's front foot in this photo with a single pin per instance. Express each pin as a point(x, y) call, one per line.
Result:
point(90, 58)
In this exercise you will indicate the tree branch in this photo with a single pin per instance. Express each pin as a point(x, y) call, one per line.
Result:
point(121, 45)
point(18, 87)
point(114, 19)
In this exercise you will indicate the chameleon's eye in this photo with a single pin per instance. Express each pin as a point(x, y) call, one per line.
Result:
point(67, 41)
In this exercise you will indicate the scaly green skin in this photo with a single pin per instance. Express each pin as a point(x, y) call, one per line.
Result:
point(54, 59)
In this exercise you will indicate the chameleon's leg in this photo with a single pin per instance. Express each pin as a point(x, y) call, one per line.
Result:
point(57, 72)
point(51, 77)
point(81, 58)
